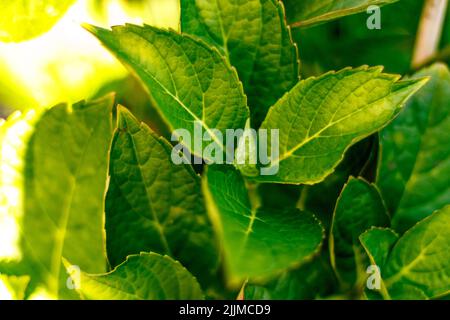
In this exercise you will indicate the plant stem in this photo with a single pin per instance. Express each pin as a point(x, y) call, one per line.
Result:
point(429, 32)
point(442, 55)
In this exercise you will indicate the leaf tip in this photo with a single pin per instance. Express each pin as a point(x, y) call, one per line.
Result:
point(124, 116)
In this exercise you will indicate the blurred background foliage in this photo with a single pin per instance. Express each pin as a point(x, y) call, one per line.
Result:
point(348, 42)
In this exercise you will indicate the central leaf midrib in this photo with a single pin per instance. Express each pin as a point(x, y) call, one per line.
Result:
point(159, 226)
point(318, 133)
point(175, 97)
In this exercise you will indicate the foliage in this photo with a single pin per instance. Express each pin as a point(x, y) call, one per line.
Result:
point(94, 206)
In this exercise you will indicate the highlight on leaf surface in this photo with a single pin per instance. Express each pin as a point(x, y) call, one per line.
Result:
point(160, 278)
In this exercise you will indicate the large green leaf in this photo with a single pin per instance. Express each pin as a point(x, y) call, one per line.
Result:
point(320, 118)
point(311, 12)
point(153, 204)
point(257, 242)
point(358, 208)
point(146, 276)
point(191, 82)
point(415, 153)
point(254, 37)
point(61, 191)
point(421, 257)
point(25, 19)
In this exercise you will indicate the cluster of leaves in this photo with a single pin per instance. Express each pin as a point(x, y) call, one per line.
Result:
point(344, 198)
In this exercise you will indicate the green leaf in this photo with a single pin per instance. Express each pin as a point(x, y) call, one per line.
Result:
point(153, 204)
point(60, 190)
point(320, 118)
point(257, 242)
point(415, 153)
point(377, 243)
point(358, 208)
point(147, 276)
point(420, 258)
point(406, 292)
point(190, 81)
point(25, 19)
point(255, 39)
point(308, 13)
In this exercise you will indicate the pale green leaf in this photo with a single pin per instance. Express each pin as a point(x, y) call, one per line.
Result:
point(62, 186)
point(415, 153)
point(254, 37)
point(358, 208)
point(310, 12)
point(25, 19)
point(257, 242)
point(190, 81)
point(320, 118)
point(421, 257)
point(146, 276)
point(153, 204)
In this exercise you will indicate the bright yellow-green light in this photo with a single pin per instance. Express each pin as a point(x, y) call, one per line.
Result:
point(67, 64)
